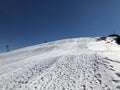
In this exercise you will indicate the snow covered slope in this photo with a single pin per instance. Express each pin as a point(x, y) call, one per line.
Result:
point(70, 64)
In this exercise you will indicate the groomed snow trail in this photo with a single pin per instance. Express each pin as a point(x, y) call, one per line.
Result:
point(70, 64)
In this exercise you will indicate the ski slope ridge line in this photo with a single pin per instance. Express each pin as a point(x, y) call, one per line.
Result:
point(69, 64)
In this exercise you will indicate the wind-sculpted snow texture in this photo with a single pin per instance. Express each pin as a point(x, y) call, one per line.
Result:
point(70, 64)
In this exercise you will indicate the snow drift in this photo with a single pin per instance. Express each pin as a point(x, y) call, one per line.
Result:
point(70, 64)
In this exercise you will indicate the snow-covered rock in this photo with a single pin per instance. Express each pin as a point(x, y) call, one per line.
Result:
point(69, 64)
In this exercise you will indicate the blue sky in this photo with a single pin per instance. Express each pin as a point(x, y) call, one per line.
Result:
point(29, 22)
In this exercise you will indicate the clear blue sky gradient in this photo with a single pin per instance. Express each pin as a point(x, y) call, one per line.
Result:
point(29, 22)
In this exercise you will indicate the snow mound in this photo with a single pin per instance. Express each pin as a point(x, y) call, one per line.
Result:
point(69, 64)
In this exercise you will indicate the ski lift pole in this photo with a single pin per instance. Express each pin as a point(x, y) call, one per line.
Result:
point(7, 48)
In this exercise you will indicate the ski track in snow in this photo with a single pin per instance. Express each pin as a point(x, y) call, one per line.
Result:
point(71, 64)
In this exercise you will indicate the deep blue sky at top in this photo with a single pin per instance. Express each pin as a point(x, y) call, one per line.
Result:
point(28, 22)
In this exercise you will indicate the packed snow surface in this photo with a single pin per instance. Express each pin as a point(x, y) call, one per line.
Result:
point(70, 64)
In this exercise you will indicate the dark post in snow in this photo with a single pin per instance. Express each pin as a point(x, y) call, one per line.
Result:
point(7, 48)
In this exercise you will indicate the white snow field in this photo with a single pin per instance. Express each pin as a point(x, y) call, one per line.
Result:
point(70, 64)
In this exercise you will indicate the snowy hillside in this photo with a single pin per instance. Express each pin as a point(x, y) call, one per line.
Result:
point(70, 64)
